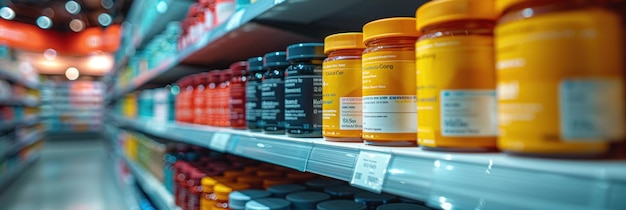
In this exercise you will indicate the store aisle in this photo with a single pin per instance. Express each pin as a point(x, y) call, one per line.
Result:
point(69, 175)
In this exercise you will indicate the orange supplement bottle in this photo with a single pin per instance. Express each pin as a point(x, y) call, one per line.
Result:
point(223, 100)
point(212, 93)
point(199, 101)
point(389, 95)
point(560, 75)
point(456, 105)
point(342, 117)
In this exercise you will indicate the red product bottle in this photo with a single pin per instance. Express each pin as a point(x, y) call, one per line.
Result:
point(199, 101)
point(224, 99)
point(239, 72)
point(211, 97)
point(195, 190)
point(180, 191)
point(184, 101)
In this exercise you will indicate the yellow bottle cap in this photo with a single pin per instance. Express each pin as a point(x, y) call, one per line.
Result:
point(502, 5)
point(390, 27)
point(440, 11)
point(207, 184)
point(222, 190)
point(342, 41)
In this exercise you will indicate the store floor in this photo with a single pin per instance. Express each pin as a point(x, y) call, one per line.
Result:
point(69, 175)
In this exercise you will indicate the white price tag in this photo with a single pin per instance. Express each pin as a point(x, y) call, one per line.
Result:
point(220, 141)
point(235, 20)
point(370, 170)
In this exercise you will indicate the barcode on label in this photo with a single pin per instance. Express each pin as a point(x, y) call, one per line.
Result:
point(358, 175)
point(372, 179)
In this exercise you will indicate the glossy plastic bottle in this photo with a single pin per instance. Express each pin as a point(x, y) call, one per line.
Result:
point(199, 100)
point(303, 90)
point(253, 94)
point(456, 76)
point(223, 101)
point(389, 95)
point(273, 93)
point(239, 72)
point(342, 118)
point(212, 93)
point(207, 188)
point(560, 77)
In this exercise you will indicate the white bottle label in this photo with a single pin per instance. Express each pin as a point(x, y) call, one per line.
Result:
point(350, 114)
point(469, 113)
point(591, 109)
point(390, 114)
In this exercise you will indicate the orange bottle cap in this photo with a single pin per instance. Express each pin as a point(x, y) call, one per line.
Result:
point(268, 182)
point(435, 12)
point(207, 184)
point(342, 41)
point(267, 173)
point(233, 174)
point(390, 27)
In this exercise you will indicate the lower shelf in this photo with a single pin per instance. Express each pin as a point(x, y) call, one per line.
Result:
point(160, 197)
point(8, 178)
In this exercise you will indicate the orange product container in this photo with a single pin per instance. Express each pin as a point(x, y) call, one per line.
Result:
point(239, 73)
point(186, 100)
point(199, 101)
point(342, 117)
point(224, 99)
point(269, 173)
point(221, 192)
point(255, 182)
point(389, 95)
point(560, 67)
point(457, 103)
point(271, 181)
point(233, 174)
point(252, 169)
point(211, 98)
point(208, 183)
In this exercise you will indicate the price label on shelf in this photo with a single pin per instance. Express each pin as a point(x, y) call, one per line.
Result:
point(220, 141)
point(370, 170)
point(235, 20)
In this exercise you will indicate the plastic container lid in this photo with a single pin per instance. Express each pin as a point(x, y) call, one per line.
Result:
point(275, 59)
point(238, 68)
point(402, 206)
point(271, 181)
point(255, 64)
point(238, 199)
point(222, 190)
point(268, 204)
point(214, 76)
point(340, 205)
point(283, 190)
point(200, 79)
point(253, 181)
point(252, 169)
point(269, 173)
point(345, 191)
point(502, 5)
point(342, 41)
point(305, 51)
point(435, 12)
point(321, 184)
point(390, 27)
point(233, 174)
point(225, 75)
point(306, 199)
point(207, 184)
point(373, 199)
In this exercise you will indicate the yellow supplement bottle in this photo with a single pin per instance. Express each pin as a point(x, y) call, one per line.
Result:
point(560, 75)
point(457, 103)
point(389, 112)
point(342, 118)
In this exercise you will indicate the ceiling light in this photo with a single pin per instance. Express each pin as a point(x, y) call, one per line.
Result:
point(104, 19)
point(72, 7)
point(7, 13)
point(77, 25)
point(72, 73)
point(107, 4)
point(50, 54)
point(44, 22)
point(161, 7)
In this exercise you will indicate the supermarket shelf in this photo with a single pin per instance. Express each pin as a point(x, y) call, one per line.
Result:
point(28, 121)
point(30, 102)
point(464, 180)
point(11, 176)
point(18, 79)
point(29, 140)
point(161, 198)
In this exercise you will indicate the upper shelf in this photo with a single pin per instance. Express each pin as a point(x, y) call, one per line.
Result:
point(19, 79)
point(445, 180)
point(266, 26)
